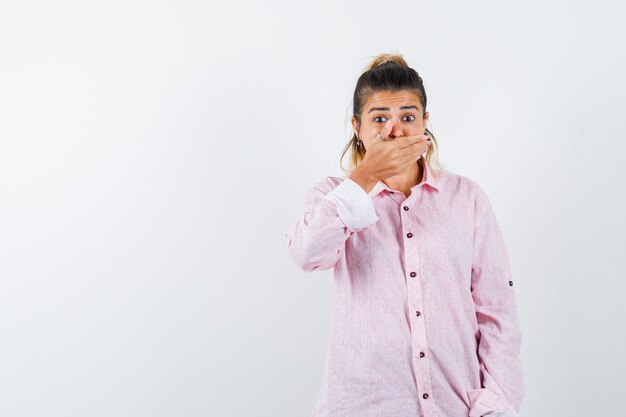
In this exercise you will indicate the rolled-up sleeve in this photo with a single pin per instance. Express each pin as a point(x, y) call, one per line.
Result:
point(502, 384)
point(316, 240)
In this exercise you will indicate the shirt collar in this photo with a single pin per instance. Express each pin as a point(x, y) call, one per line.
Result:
point(427, 178)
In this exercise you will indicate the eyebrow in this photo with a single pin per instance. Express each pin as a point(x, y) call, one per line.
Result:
point(387, 108)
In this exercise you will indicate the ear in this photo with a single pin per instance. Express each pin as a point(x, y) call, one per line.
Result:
point(426, 117)
point(355, 126)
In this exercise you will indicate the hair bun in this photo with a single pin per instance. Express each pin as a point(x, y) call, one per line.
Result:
point(384, 58)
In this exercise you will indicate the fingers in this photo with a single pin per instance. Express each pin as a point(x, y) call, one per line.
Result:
point(386, 130)
point(414, 154)
point(415, 149)
point(407, 141)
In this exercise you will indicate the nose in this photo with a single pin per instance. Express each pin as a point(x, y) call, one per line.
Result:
point(396, 130)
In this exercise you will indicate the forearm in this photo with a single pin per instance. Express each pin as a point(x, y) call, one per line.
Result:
point(316, 239)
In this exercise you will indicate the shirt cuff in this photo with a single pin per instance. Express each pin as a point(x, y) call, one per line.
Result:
point(485, 402)
point(354, 206)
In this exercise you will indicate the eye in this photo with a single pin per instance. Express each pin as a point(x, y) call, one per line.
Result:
point(377, 119)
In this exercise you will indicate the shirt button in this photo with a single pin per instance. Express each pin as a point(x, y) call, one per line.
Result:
point(413, 274)
point(425, 395)
point(406, 208)
point(510, 283)
point(409, 234)
point(417, 313)
point(422, 354)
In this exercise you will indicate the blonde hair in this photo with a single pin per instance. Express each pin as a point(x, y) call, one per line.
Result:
point(386, 72)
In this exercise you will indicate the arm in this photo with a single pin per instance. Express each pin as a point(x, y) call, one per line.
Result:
point(496, 312)
point(317, 238)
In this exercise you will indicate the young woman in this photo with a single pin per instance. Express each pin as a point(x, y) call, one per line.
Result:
point(424, 318)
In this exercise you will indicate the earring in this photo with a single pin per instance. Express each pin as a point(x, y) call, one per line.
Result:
point(359, 143)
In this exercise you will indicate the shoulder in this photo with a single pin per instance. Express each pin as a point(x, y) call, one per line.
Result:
point(464, 188)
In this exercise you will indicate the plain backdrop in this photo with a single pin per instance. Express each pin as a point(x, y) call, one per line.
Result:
point(153, 154)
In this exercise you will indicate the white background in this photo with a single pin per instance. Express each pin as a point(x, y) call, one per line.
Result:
point(153, 155)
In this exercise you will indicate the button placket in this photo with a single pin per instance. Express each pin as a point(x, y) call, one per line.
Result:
point(417, 324)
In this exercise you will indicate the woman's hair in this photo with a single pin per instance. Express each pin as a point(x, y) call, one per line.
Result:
point(386, 72)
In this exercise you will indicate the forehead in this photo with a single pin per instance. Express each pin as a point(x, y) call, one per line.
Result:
point(393, 100)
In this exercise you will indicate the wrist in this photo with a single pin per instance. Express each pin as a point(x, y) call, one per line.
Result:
point(363, 176)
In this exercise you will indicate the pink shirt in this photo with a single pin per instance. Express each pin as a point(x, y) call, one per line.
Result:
point(424, 317)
